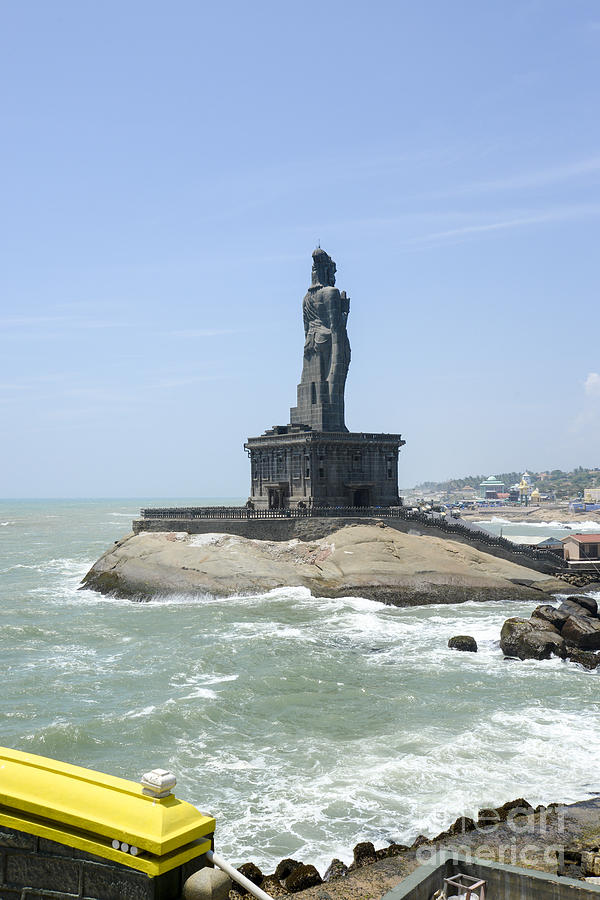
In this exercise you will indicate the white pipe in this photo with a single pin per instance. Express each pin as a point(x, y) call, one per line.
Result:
point(237, 876)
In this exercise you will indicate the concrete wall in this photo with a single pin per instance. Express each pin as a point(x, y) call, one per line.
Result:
point(503, 882)
point(311, 529)
point(38, 869)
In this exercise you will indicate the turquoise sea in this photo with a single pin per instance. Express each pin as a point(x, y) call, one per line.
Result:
point(304, 725)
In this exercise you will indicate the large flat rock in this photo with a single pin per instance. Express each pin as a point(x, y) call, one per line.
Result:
point(371, 561)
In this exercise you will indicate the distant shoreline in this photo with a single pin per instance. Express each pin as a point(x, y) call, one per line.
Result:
point(547, 512)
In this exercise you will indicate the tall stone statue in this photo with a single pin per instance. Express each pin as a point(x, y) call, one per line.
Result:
point(326, 350)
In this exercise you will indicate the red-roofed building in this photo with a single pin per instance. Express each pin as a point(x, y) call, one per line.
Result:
point(581, 549)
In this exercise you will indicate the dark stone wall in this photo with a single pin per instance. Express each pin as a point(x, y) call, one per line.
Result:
point(325, 469)
point(45, 869)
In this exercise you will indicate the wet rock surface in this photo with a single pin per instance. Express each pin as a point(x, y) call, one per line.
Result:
point(530, 639)
point(301, 878)
point(377, 563)
point(463, 642)
point(335, 869)
point(571, 631)
point(286, 867)
point(364, 854)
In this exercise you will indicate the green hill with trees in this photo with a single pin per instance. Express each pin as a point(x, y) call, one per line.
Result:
point(564, 485)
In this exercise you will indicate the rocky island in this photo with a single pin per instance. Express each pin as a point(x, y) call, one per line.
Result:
point(374, 561)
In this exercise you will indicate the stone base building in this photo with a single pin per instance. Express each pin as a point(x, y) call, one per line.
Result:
point(315, 460)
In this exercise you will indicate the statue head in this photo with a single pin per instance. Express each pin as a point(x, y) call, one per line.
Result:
point(323, 269)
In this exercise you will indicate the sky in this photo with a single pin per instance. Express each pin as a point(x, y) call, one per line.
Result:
point(167, 169)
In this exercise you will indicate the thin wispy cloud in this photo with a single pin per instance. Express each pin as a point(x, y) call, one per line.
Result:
point(30, 382)
point(591, 385)
point(552, 175)
point(185, 380)
point(415, 222)
point(553, 215)
point(28, 323)
point(201, 332)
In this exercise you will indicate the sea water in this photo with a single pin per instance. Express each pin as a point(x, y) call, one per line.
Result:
point(303, 724)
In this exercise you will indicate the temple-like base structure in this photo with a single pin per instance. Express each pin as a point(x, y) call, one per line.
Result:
point(292, 466)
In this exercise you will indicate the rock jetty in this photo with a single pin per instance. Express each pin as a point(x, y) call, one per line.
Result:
point(373, 561)
point(532, 837)
point(570, 631)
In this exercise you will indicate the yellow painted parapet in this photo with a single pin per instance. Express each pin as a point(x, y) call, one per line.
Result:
point(98, 813)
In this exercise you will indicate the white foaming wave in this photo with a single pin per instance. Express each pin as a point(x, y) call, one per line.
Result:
point(5, 524)
point(127, 515)
point(207, 678)
point(587, 525)
point(360, 604)
point(140, 713)
point(497, 520)
point(384, 794)
point(204, 693)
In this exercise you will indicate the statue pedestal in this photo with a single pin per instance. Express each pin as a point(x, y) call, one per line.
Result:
point(292, 464)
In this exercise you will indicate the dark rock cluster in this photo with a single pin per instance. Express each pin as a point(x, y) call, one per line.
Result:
point(292, 876)
point(578, 579)
point(571, 631)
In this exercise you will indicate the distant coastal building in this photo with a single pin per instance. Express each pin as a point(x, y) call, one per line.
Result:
point(582, 549)
point(591, 495)
point(491, 488)
point(314, 461)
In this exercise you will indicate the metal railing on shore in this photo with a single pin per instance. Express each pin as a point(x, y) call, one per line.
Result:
point(474, 535)
point(243, 512)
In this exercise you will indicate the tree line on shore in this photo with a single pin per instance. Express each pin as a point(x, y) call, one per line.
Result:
point(563, 485)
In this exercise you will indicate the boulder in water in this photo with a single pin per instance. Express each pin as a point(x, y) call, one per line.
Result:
point(302, 878)
point(588, 604)
point(516, 807)
point(585, 658)
point(364, 855)
point(531, 639)
point(253, 873)
point(285, 868)
point(461, 826)
point(583, 632)
point(335, 869)
point(392, 849)
point(551, 614)
point(463, 642)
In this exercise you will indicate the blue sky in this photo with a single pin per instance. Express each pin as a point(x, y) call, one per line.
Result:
point(167, 170)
